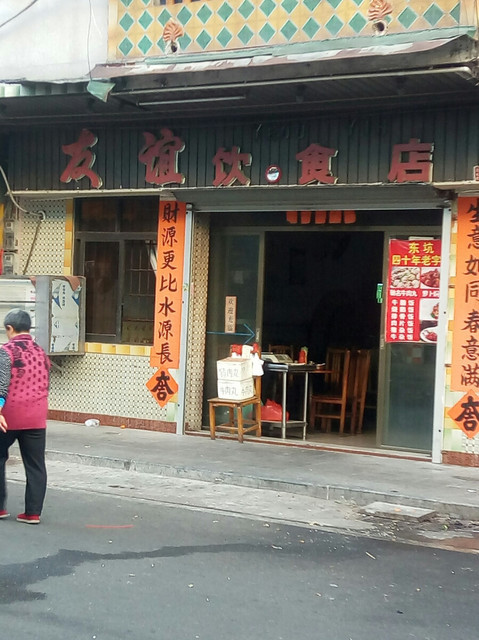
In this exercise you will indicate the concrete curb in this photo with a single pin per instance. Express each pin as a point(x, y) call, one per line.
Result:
point(358, 495)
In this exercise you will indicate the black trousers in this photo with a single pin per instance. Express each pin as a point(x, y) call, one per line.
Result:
point(32, 448)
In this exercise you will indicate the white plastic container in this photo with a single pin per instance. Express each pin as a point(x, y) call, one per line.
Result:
point(235, 390)
point(235, 369)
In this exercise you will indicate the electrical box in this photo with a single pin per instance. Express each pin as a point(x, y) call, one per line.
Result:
point(56, 305)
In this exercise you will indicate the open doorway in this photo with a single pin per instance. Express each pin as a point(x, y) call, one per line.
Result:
point(320, 292)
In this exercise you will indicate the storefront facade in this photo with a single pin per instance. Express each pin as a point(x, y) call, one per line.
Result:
point(342, 180)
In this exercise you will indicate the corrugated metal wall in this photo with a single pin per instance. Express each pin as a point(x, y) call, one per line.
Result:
point(364, 144)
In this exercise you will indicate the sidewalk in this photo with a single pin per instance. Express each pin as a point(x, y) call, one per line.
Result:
point(449, 490)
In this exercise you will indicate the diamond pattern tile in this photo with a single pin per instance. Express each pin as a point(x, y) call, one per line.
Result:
point(456, 12)
point(224, 37)
point(164, 16)
point(311, 28)
point(145, 45)
point(246, 9)
point(145, 19)
point(433, 14)
point(204, 14)
point(126, 22)
point(203, 39)
point(267, 7)
point(357, 22)
point(289, 5)
point(225, 11)
point(125, 46)
point(266, 32)
point(334, 3)
point(334, 25)
point(184, 42)
point(407, 17)
point(245, 34)
point(184, 15)
point(233, 24)
point(288, 29)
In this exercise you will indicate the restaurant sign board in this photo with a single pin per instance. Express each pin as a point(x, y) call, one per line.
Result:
point(412, 309)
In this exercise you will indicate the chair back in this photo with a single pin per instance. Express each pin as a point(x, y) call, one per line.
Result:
point(338, 363)
point(360, 374)
point(288, 349)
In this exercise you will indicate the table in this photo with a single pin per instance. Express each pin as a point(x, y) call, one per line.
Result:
point(285, 369)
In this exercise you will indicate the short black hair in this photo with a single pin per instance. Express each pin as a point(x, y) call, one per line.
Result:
point(19, 320)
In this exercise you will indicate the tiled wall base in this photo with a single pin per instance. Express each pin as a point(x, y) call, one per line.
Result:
point(462, 459)
point(114, 421)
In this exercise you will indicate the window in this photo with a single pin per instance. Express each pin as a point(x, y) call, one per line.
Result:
point(115, 249)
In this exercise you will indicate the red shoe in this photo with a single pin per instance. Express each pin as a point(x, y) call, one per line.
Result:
point(28, 519)
point(4, 514)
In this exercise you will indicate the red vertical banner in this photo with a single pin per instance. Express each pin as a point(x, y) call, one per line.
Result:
point(165, 351)
point(465, 339)
point(412, 309)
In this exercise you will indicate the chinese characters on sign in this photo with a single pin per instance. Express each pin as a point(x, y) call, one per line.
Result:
point(412, 310)
point(410, 162)
point(465, 414)
point(165, 352)
point(465, 341)
point(82, 160)
point(161, 158)
point(230, 314)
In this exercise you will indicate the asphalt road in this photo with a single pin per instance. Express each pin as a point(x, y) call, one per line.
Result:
point(113, 567)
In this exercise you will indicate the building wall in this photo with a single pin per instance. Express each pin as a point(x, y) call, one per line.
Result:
point(52, 39)
point(136, 26)
point(109, 380)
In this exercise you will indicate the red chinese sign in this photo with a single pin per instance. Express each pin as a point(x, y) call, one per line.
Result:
point(162, 386)
point(316, 164)
point(412, 310)
point(410, 162)
point(169, 285)
point(465, 341)
point(229, 167)
point(161, 158)
point(465, 414)
point(82, 160)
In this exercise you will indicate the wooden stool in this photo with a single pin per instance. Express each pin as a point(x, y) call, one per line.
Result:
point(236, 423)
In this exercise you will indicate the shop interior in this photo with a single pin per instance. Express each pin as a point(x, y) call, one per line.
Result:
point(319, 292)
point(308, 289)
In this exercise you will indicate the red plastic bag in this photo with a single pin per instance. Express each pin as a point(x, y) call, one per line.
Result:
point(272, 410)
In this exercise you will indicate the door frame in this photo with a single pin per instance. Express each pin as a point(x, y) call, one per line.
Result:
point(384, 352)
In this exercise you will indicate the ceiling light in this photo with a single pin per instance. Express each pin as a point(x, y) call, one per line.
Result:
point(158, 103)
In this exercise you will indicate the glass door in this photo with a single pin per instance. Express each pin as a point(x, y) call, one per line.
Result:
point(235, 269)
point(408, 358)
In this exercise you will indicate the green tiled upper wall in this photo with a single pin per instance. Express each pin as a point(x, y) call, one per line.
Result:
point(136, 26)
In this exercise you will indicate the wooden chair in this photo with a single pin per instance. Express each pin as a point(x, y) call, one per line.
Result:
point(336, 395)
point(360, 365)
point(236, 422)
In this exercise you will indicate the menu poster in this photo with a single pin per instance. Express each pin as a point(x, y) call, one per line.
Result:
point(412, 309)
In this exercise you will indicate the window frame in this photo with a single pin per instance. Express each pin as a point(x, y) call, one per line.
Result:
point(115, 237)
